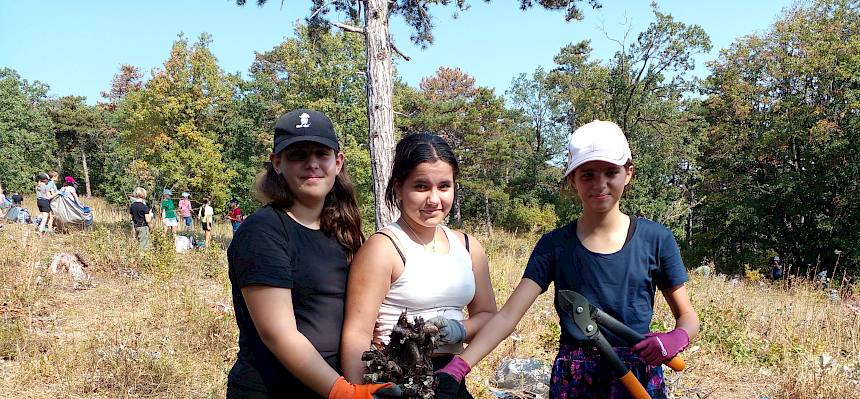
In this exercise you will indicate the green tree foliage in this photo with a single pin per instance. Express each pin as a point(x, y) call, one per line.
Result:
point(26, 132)
point(171, 128)
point(79, 132)
point(541, 138)
point(780, 170)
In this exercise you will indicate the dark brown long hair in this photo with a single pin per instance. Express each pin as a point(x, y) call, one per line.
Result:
point(340, 216)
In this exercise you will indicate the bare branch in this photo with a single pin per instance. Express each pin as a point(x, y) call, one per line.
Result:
point(347, 27)
point(409, 115)
point(623, 42)
point(397, 50)
point(318, 9)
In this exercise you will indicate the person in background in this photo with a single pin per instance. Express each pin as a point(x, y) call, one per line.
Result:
point(5, 204)
point(777, 270)
point(168, 212)
point(44, 195)
point(616, 261)
point(185, 210)
point(17, 199)
point(207, 217)
point(70, 188)
point(235, 215)
point(141, 216)
point(52, 188)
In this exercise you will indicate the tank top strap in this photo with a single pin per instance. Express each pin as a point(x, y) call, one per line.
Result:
point(454, 240)
point(394, 243)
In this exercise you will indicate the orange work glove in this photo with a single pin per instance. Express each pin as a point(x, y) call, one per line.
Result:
point(344, 390)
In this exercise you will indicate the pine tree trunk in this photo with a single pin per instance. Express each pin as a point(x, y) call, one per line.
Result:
point(86, 171)
point(380, 113)
point(456, 217)
point(487, 214)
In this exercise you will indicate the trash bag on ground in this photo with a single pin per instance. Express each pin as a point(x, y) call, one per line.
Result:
point(183, 244)
point(18, 214)
point(70, 213)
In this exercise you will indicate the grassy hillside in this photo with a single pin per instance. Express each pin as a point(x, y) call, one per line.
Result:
point(154, 325)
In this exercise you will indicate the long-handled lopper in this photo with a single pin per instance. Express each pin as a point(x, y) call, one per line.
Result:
point(589, 319)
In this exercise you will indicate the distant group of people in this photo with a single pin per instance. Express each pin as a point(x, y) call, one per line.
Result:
point(311, 294)
point(46, 190)
point(10, 206)
point(142, 215)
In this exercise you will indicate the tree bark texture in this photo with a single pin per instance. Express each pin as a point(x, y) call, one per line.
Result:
point(86, 172)
point(455, 217)
point(380, 113)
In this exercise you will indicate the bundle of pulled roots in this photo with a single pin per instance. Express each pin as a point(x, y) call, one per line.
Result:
point(405, 360)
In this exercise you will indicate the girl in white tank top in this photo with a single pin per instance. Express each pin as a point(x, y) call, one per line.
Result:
point(432, 284)
point(416, 264)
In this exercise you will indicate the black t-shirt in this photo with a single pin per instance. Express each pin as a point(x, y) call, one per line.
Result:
point(17, 199)
point(272, 249)
point(138, 211)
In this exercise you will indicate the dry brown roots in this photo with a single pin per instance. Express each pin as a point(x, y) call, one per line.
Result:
point(405, 361)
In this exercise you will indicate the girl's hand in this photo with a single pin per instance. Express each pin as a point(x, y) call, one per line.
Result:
point(450, 378)
point(657, 348)
point(450, 331)
point(344, 390)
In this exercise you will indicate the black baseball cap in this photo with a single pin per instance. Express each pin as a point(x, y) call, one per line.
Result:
point(304, 125)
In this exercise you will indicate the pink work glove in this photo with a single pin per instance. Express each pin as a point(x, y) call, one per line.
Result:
point(657, 348)
point(456, 368)
point(449, 379)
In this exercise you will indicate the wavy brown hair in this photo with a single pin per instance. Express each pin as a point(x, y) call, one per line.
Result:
point(340, 216)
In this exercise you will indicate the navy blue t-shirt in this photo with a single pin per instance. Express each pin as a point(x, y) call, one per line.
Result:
point(273, 249)
point(622, 284)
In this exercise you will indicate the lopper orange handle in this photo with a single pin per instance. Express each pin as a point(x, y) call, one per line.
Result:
point(676, 363)
point(634, 386)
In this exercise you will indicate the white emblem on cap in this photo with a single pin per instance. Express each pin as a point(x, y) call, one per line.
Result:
point(304, 120)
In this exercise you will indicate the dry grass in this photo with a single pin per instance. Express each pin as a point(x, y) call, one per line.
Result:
point(148, 328)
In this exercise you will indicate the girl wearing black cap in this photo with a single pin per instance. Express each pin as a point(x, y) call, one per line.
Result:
point(288, 266)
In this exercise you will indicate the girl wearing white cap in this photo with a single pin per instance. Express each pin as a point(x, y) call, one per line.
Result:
point(616, 261)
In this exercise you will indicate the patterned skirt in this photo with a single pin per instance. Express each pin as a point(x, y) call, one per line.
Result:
point(579, 372)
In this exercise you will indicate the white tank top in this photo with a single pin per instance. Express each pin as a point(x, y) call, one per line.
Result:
point(432, 284)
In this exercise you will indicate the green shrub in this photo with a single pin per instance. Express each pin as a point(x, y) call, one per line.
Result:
point(11, 333)
point(161, 258)
point(531, 217)
point(725, 328)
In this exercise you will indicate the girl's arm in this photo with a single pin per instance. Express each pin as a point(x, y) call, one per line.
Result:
point(370, 276)
point(685, 316)
point(502, 324)
point(483, 305)
point(271, 309)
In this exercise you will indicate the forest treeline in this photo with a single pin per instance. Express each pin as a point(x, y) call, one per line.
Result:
point(756, 160)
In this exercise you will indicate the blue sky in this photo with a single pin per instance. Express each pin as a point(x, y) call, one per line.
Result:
point(77, 46)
